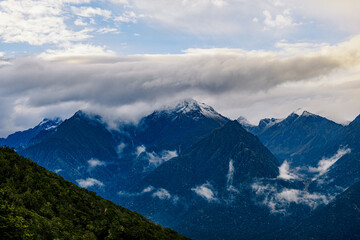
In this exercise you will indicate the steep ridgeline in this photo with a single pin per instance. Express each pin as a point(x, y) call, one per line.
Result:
point(68, 148)
point(178, 127)
point(346, 170)
point(22, 139)
point(302, 139)
point(338, 220)
point(85, 151)
point(38, 204)
point(205, 193)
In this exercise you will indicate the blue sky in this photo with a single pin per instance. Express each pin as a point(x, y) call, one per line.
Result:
point(260, 58)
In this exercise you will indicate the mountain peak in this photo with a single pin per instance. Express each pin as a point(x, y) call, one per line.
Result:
point(244, 122)
point(50, 123)
point(356, 120)
point(307, 114)
point(191, 108)
point(188, 105)
point(269, 122)
point(82, 115)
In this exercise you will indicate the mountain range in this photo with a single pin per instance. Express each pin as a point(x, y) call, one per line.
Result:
point(190, 168)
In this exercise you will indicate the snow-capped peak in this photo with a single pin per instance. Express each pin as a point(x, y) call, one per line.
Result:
point(48, 124)
point(269, 122)
point(193, 108)
point(244, 122)
point(307, 114)
point(303, 113)
point(190, 105)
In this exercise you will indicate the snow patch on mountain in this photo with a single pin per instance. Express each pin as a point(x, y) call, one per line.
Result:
point(244, 122)
point(269, 122)
point(191, 106)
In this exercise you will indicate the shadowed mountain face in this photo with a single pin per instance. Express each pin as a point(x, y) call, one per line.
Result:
point(302, 139)
point(346, 171)
point(209, 160)
point(206, 191)
point(338, 220)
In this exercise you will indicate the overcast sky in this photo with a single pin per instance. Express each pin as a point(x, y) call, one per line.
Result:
point(124, 58)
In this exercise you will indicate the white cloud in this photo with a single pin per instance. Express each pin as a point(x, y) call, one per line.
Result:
point(285, 172)
point(95, 163)
point(148, 189)
point(231, 172)
point(166, 155)
point(123, 2)
point(76, 53)
point(197, 17)
point(127, 17)
point(325, 163)
point(155, 159)
point(120, 148)
point(279, 21)
point(159, 193)
point(278, 199)
point(80, 22)
point(162, 194)
point(140, 149)
point(206, 191)
point(107, 30)
point(332, 13)
point(269, 82)
point(36, 23)
point(216, 17)
point(89, 182)
point(158, 159)
point(230, 178)
point(91, 12)
point(57, 170)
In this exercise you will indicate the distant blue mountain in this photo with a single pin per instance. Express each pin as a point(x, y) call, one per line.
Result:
point(301, 139)
point(22, 139)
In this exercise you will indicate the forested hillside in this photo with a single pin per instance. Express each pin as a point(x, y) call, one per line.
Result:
point(38, 204)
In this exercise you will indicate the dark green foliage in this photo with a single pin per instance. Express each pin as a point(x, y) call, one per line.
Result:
point(38, 204)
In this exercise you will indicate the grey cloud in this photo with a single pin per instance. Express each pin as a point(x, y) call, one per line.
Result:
point(145, 78)
point(133, 85)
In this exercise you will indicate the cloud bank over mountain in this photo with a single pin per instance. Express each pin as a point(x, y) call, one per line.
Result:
point(136, 84)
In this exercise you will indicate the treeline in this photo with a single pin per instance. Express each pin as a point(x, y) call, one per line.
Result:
point(38, 204)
